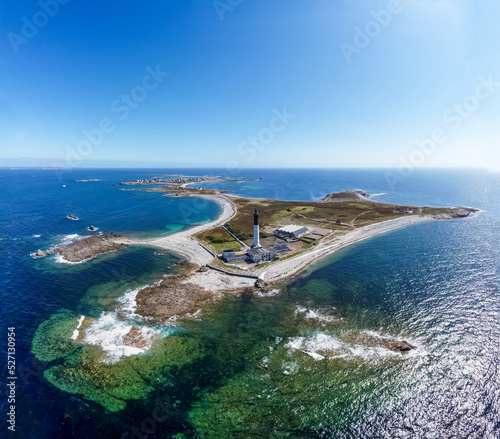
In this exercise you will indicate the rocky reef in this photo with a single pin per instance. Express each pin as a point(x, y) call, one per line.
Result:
point(173, 296)
point(456, 212)
point(40, 253)
point(394, 345)
point(53, 337)
point(77, 367)
point(90, 247)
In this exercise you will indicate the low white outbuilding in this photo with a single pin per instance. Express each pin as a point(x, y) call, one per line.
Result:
point(291, 232)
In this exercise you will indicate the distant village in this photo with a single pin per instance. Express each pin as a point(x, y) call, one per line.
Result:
point(184, 180)
point(172, 180)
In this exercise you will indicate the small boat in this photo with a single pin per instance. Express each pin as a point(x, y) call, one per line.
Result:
point(72, 217)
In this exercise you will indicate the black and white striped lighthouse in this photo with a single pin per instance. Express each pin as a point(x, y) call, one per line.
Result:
point(256, 232)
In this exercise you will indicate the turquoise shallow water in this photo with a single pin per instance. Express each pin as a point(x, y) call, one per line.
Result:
point(434, 284)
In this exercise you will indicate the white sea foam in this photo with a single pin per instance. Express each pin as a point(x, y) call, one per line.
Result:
point(110, 330)
point(109, 333)
point(271, 293)
point(36, 236)
point(76, 332)
point(323, 346)
point(70, 238)
point(60, 259)
point(314, 355)
point(315, 314)
point(127, 307)
point(290, 366)
point(128, 304)
point(378, 195)
point(172, 320)
point(419, 350)
point(195, 315)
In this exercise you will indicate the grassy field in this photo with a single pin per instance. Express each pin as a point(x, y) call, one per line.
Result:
point(352, 213)
point(218, 239)
point(340, 213)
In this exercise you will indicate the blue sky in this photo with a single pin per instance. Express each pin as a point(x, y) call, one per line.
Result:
point(263, 83)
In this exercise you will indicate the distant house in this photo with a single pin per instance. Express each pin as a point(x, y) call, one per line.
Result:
point(291, 232)
point(262, 254)
point(229, 255)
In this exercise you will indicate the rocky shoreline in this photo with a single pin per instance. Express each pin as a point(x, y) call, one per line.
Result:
point(358, 194)
point(458, 212)
point(90, 247)
point(86, 248)
point(173, 296)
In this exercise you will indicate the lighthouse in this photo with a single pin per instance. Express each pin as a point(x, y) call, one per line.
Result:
point(256, 239)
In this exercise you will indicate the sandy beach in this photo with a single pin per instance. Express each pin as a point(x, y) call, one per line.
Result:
point(184, 243)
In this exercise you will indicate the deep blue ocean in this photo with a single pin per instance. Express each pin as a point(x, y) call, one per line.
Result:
point(436, 282)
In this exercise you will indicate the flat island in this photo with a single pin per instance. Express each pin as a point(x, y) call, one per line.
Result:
point(260, 242)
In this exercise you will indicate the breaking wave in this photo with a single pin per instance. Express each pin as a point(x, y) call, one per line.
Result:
point(271, 293)
point(321, 346)
point(119, 339)
point(76, 332)
point(122, 333)
point(60, 259)
point(315, 314)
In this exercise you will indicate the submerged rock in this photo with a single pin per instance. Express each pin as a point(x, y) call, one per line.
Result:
point(53, 337)
point(40, 253)
point(401, 346)
point(113, 385)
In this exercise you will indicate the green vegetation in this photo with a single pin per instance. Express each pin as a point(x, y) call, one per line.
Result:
point(53, 337)
point(236, 231)
point(113, 384)
point(350, 209)
point(218, 239)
